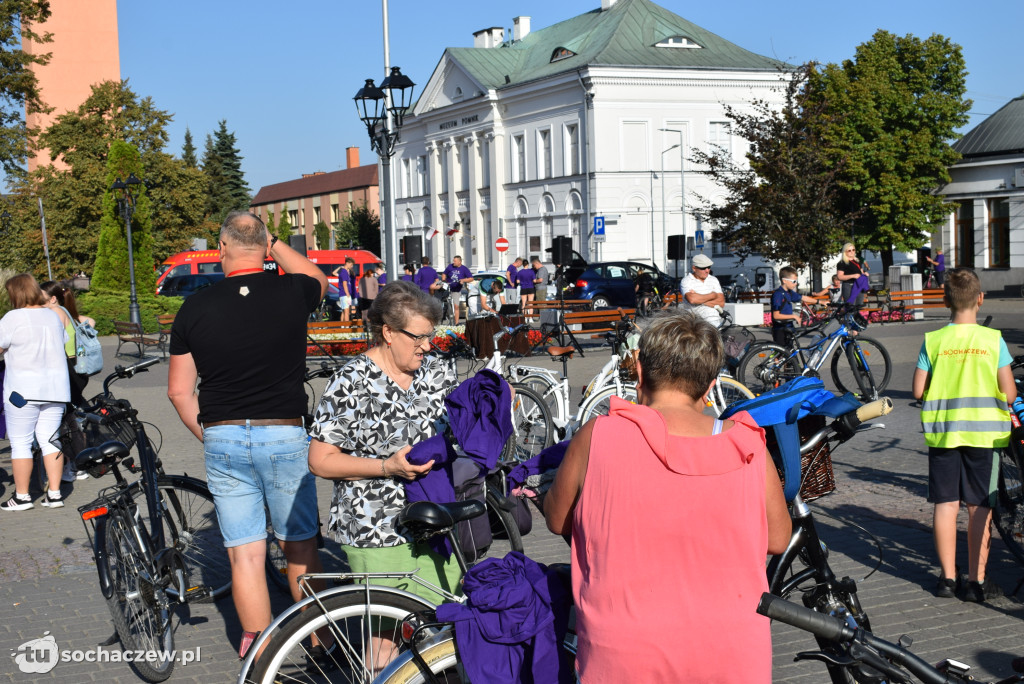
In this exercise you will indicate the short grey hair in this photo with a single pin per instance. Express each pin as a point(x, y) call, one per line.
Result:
point(680, 350)
point(244, 229)
point(396, 303)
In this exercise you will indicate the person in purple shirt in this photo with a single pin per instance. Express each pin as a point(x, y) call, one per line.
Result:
point(410, 273)
point(382, 275)
point(455, 275)
point(513, 271)
point(345, 290)
point(526, 284)
point(426, 277)
point(940, 266)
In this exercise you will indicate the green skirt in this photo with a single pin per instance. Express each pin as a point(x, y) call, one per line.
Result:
point(428, 565)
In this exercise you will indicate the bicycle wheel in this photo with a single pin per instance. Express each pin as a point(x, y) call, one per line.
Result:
point(191, 526)
point(767, 366)
point(1008, 512)
point(352, 622)
point(600, 402)
point(441, 658)
point(861, 363)
point(550, 392)
point(503, 524)
point(140, 609)
point(726, 391)
point(531, 420)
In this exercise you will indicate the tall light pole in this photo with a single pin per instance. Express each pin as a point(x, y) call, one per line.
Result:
point(682, 178)
point(664, 232)
point(383, 110)
point(127, 193)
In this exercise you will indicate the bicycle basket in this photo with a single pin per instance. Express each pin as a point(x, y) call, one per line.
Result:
point(816, 475)
point(735, 343)
point(74, 438)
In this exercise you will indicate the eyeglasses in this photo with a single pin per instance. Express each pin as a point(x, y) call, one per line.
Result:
point(702, 268)
point(790, 280)
point(417, 339)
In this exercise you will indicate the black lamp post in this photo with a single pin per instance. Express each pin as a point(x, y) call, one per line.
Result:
point(383, 110)
point(128, 191)
point(5, 222)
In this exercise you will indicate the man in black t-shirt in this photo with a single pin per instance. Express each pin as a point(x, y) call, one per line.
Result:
point(244, 339)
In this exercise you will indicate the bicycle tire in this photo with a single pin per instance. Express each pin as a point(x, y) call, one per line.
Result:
point(348, 617)
point(531, 420)
point(550, 392)
point(503, 524)
point(767, 366)
point(141, 617)
point(878, 371)
point(441, 658)
point(600, 402)
point(727, 391)
point(1008, 512)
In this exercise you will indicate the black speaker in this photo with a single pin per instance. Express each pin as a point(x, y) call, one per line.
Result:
point(412, 249)
point(298, 243)
point(561, 250)
point(677, 247)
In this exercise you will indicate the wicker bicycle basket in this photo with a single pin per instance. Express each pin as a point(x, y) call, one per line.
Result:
point(735, 342)
point(74, 438)
point(816, 475)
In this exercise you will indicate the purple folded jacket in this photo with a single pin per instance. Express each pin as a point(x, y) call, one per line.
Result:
point(549, 459)
point(860, 285)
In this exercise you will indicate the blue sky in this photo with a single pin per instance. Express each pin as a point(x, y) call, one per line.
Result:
point(283, 74)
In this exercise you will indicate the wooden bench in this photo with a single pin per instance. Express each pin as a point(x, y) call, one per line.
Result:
point(601, 321)
point(533, 310)
point(324, 333)
point(164, 323)
point(672, 299)
point(132, 333)
point(911, 300)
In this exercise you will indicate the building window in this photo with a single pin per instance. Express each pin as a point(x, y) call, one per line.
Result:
point(443, 160)
point(484, 152)
point(316, 214)
point(293, 218)
point(464, 163)
point(544, 153)
point(718, 135)
point(457, 97)
point(561, 53)
point(534, 244)
point(965, 235)
point(518, 159)
point(572, 149)
point(335, 217)
point(999, 232)
point(678, 42)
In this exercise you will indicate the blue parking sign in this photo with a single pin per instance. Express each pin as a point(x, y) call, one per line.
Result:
point(599, 229)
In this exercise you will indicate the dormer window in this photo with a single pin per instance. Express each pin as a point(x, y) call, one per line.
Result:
point(457, 97)
point(678, 42)
point(562, 53)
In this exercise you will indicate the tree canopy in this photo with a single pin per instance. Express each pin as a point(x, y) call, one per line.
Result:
point(19, 88)
point(222, 164)
point(361, 227)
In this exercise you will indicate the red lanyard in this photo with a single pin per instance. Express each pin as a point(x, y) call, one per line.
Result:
point(245, 270)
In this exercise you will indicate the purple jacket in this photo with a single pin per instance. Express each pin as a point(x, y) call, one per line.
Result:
point(513, 623)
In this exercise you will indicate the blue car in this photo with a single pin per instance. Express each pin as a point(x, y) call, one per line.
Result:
point(613, 283)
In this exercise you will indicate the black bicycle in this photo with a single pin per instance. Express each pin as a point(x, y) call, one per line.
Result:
point(1008, 512)
point(156, 540)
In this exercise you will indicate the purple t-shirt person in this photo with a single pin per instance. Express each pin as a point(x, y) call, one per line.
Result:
point(453, 274)
point(344, 282)
point(425, 277)
point(512, 271)
point(526, 277)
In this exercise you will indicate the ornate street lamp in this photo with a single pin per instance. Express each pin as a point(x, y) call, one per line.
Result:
point(382, 108)
point(127, 192)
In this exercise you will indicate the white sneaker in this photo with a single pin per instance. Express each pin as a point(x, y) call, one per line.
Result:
point(50, 501)
point(16, 504)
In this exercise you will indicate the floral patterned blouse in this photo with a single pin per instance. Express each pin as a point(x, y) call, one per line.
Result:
point(365, 413)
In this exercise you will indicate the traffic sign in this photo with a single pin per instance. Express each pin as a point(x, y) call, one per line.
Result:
point(501, 244)
point(698, 237)
point(599, 235)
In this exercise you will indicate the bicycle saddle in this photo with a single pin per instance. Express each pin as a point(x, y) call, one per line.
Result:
point(558, 352)
point(426, 518)
point(95, 459)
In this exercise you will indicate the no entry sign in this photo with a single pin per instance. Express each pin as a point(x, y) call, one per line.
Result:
point(501, 244)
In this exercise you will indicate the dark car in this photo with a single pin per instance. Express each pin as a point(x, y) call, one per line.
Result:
point(613, 283)
point(183, 286)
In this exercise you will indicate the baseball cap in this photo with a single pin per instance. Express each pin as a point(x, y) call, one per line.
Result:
point(701, 261)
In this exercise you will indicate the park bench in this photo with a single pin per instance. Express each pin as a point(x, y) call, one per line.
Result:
point(541, 309)
point(902, 301)
point(164, 323)
point(327, 335)
point(672, 299)
point(132, 333)
point(596, 322)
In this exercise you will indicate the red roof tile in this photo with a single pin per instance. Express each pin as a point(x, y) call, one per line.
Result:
point(319, 184)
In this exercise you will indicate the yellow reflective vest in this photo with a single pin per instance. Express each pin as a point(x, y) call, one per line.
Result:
point(963, 405)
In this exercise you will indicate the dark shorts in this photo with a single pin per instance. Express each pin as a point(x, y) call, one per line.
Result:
point(780, 334)
point(966, 474)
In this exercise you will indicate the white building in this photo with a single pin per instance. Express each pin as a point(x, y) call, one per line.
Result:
point(987, 230)
point(532, 135)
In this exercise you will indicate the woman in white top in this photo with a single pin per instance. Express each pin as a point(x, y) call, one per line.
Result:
point(32, 339)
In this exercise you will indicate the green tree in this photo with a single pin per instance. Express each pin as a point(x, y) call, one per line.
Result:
point(784, 204)
point(902, 99)
point(323, 235)
point(188, 151)
point(361, 227)
point(222, 163)
point(111, 271)
point(19, 88)
point(283, 229)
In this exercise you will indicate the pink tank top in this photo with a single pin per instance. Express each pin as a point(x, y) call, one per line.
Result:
point(669, 543)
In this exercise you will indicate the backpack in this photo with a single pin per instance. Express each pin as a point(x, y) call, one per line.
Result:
point(781, 408)
point(88, 352)
point(474, 535)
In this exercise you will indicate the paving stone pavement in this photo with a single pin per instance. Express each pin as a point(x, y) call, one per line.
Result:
point(877, 525)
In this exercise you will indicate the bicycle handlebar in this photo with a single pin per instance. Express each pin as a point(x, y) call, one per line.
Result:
point(121, 372)
point(819, 624)
point(845, 425)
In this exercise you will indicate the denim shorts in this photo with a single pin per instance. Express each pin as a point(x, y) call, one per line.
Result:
point(252, 470)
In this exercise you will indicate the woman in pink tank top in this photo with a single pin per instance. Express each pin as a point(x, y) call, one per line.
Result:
point(672, 513)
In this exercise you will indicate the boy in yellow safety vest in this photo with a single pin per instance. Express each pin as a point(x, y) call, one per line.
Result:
point(964, 381)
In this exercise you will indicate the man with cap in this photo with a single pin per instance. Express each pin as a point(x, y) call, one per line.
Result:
point(701, 290)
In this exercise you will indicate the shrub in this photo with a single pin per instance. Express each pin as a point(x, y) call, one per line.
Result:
point(5, 302)
point(107, 306)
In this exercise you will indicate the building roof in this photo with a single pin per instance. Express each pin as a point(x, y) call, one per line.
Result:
point(623, 35)
point(1001, 133)
point(318, 184)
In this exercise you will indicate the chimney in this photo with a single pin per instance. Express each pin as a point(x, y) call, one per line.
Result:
point(607, 4)
point(489, 37)
point(521, 27)
point(351, 157)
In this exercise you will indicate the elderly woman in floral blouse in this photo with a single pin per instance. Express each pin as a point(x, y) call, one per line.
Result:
point(372, 412)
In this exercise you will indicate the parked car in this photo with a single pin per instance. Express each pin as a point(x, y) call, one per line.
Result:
point(612, 283)
point(185, 285)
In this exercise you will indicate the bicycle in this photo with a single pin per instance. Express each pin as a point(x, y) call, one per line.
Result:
point(768, 365)
point(156, 540)
point(853, 648)
point(736, 292)
point(432, 649)
point(1008, 512)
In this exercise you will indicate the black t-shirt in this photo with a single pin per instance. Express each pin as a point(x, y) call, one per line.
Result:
point(247, 336)
point(848, 268)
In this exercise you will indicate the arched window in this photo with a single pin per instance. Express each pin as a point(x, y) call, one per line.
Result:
point(408, 219)
point(522, 207)
point(547, 204)
point(678, 42)
point(561, 53)
point(457, 97)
